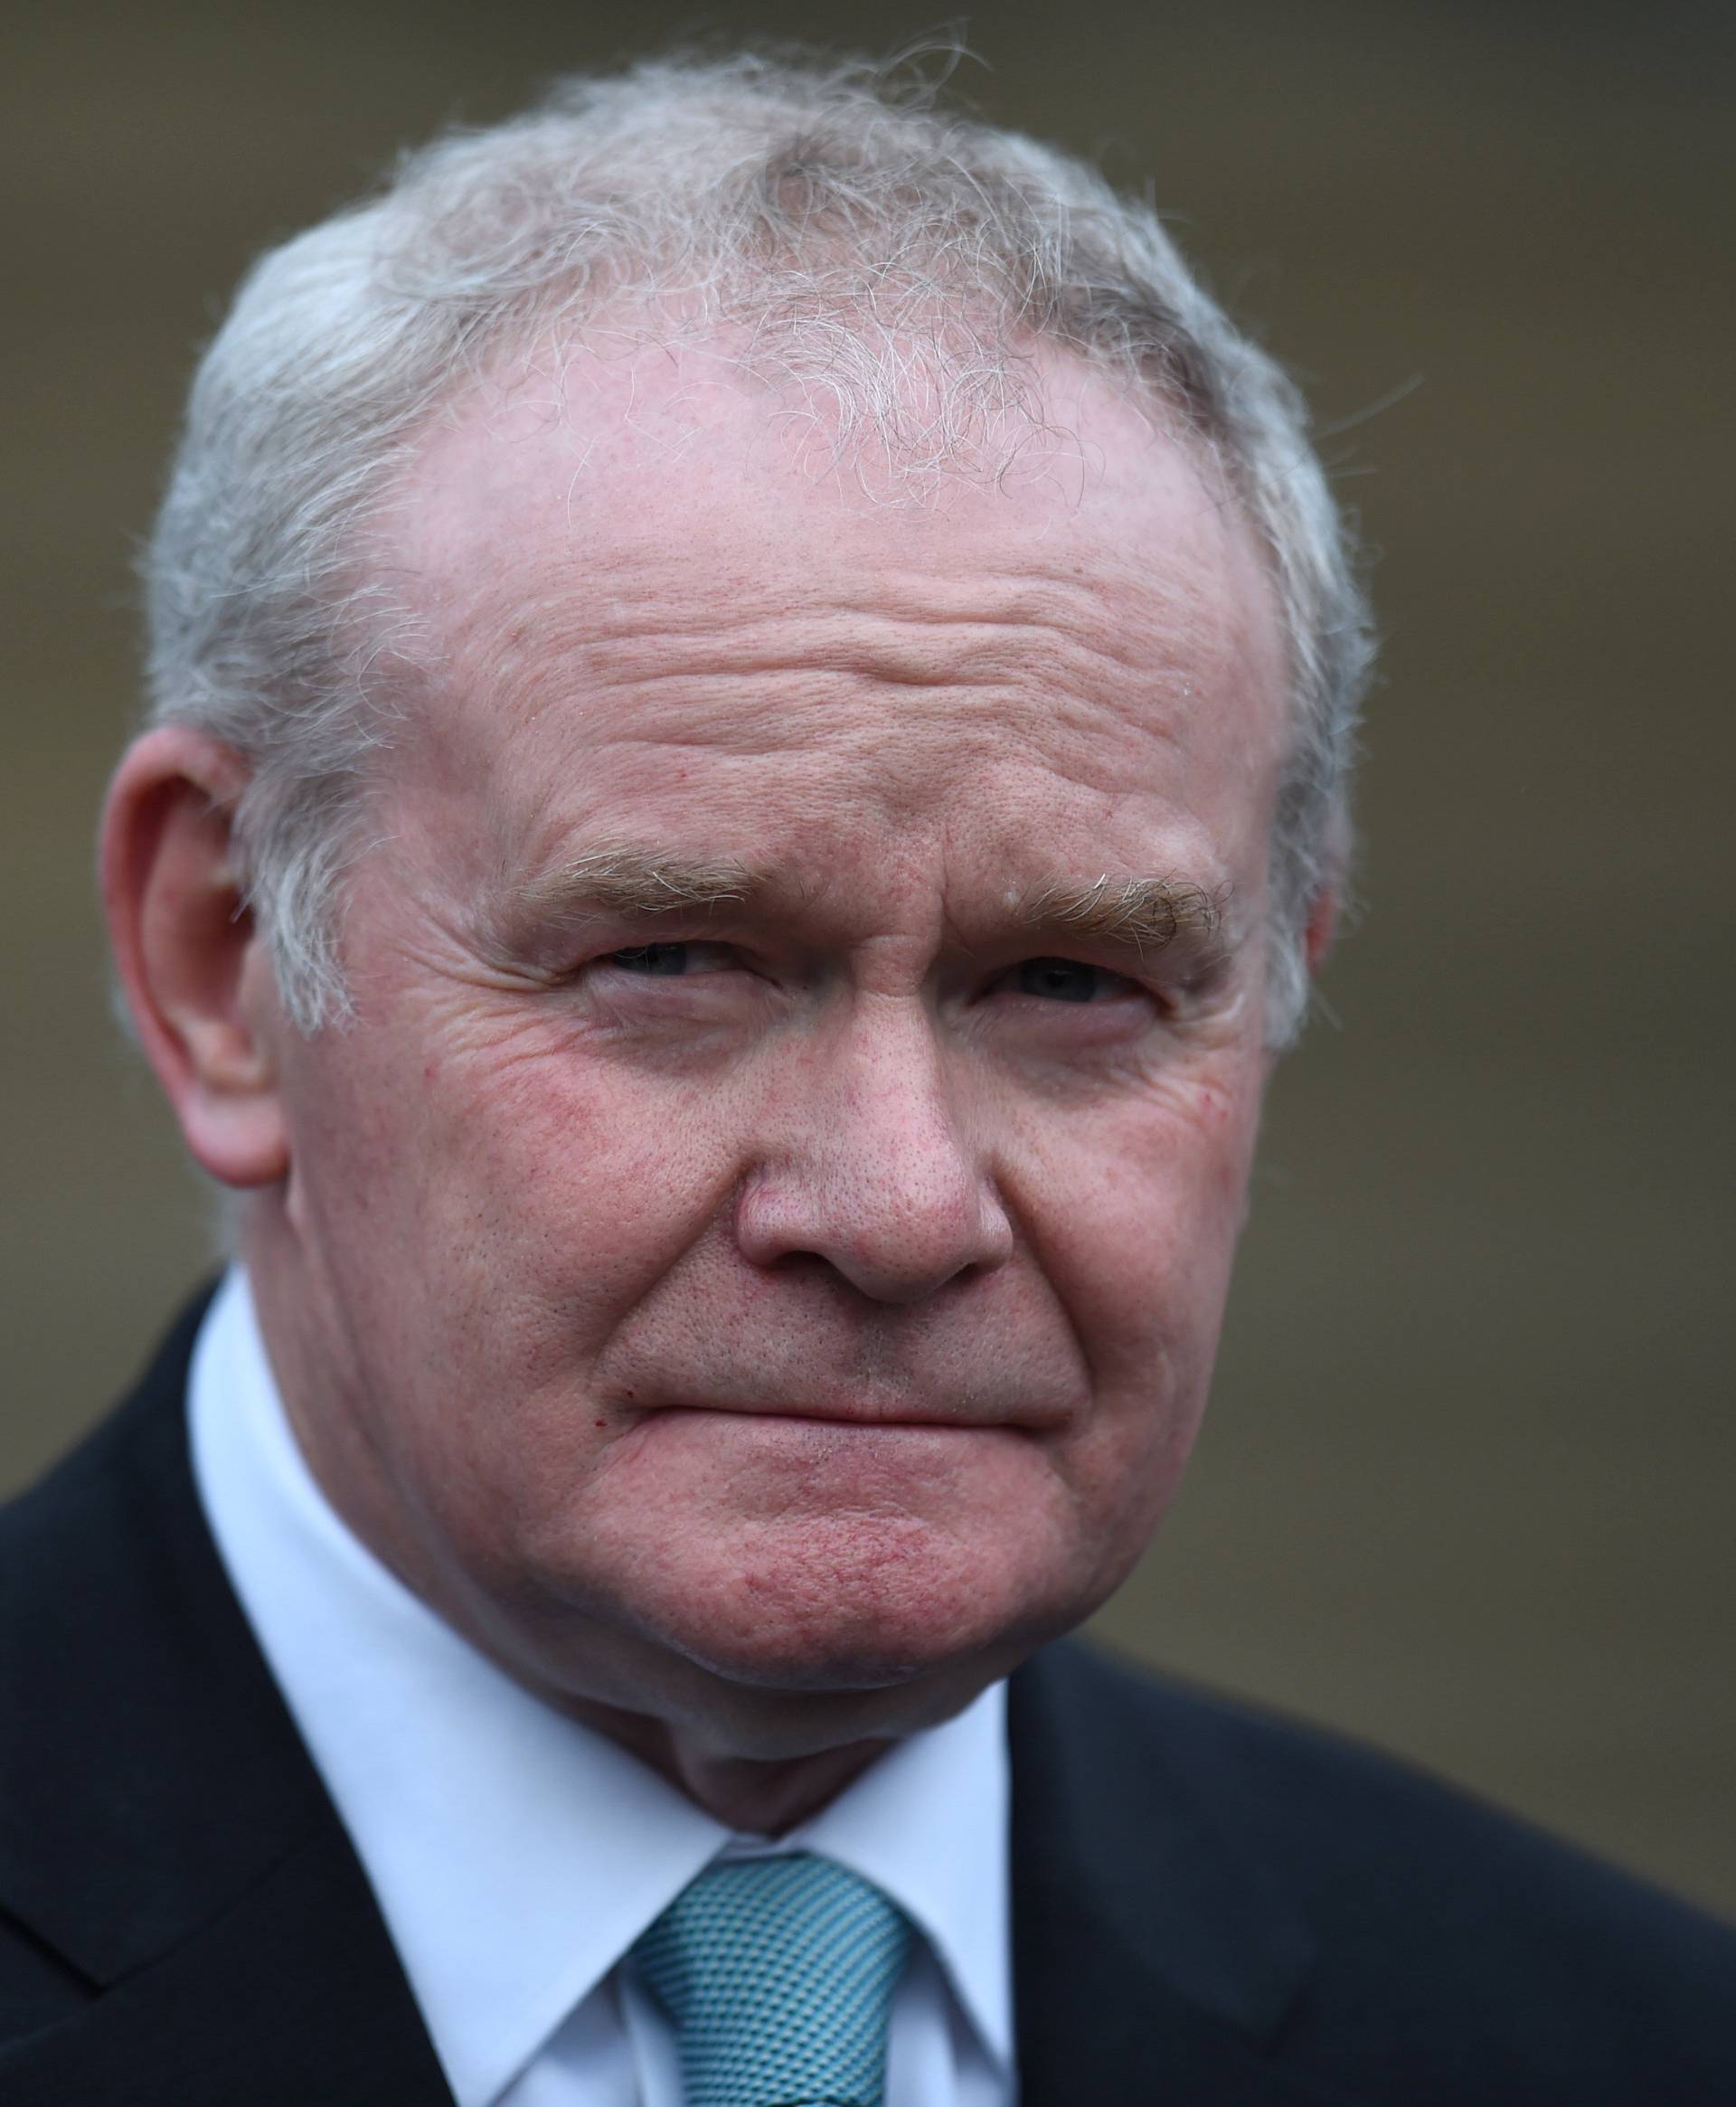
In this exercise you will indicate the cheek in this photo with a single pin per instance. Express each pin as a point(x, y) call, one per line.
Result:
point(526, 1152)
point(586, 1183)
point(488, 1225)
point(1139, 1247)
point(1149, 1201)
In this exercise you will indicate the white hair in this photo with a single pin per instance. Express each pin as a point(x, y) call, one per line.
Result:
point(830, 216)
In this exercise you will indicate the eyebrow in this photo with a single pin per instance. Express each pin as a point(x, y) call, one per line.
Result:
point(636, 883)
point(1143, 915)
point(1140, 915)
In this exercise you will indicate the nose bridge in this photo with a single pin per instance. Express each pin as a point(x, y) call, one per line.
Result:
point(873, 1168)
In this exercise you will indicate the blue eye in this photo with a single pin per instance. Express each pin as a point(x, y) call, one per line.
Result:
point(1061, 979)
point(660, 958)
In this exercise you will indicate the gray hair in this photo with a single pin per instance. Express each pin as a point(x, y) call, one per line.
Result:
point(827, 212)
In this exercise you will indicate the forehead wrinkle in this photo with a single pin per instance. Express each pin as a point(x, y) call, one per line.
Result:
point(639, 619)
point(798, 710)
point(760, 642)
point(701, 547)
point(756, 691)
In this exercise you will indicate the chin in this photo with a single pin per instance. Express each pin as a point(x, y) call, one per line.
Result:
point(863, 1611)
point(879, 1583)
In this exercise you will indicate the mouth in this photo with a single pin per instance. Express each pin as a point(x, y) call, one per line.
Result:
point(817, 1396)
point(1006, 1385)
point(837, 1419)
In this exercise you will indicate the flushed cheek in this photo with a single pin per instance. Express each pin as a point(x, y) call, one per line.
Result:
point(1144, 1220)
point(1138, 1249)
point(482, 1226)
point(1121, 1470)
point(585, 1189)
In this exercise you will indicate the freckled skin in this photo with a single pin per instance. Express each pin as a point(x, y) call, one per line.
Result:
point(763, 1355)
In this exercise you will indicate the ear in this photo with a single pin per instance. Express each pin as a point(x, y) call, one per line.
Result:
point(1322, 927)
point(201, 991)
point(1328, 901)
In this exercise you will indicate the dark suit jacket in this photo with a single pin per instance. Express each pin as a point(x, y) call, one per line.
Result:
point(1210, 1909)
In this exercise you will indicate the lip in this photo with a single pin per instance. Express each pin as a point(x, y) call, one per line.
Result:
point(809, 1415)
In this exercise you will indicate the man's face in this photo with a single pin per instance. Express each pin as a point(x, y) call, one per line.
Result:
point(768, 1224)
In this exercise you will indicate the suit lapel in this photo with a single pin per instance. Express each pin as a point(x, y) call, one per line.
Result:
point(1153, 1959)
point(162, 1832)
point(290, 1995)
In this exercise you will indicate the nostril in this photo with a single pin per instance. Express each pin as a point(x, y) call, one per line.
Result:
point(908, 1258)
point(898, 1213)
point(799, 1265)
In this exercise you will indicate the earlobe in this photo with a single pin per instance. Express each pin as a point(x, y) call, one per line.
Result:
point(1322, 927)
point(202, 993)
point(1329, 899)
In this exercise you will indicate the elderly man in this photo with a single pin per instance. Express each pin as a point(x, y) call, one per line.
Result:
point(751, 689)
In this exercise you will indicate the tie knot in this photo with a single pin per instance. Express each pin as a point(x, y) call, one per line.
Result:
point(779, 1975)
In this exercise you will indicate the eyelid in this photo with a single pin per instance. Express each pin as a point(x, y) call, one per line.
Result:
point(1081, 958)
point(698, 949)
point(1110, 984)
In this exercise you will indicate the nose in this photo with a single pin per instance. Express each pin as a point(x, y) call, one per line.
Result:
point(869, 1169)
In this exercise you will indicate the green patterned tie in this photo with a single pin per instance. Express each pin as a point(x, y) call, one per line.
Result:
point(779, 1976)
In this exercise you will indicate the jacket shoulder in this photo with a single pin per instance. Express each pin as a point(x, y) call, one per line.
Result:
point(1465, 1953)
point(139, 1713)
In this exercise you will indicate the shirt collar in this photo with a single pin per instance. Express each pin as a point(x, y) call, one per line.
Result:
point(928, 1823)
point(514, 1854)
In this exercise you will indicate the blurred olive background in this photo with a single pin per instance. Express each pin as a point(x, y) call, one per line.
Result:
point(1467, 1486)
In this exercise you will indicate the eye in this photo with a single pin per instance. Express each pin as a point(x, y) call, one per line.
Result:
point(664, 959)
point(1065, 980)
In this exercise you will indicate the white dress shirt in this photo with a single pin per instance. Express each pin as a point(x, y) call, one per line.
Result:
point(516, 1856)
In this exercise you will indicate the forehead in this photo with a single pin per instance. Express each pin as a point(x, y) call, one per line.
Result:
point(610, 545)
point(591, 456)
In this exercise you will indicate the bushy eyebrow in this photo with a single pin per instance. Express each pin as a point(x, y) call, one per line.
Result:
point(635, 883)
point(1138, 915)
point(1142, 914)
